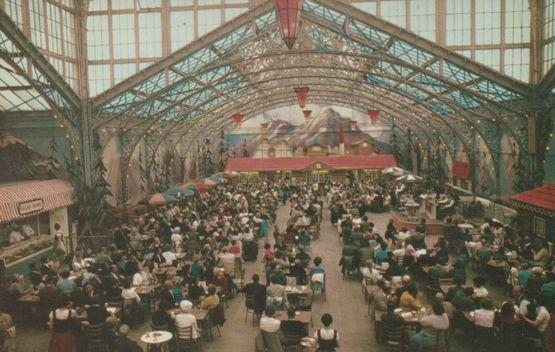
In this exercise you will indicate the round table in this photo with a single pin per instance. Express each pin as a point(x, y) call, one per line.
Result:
point(162, 338)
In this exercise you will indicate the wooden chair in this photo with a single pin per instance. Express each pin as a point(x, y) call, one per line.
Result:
point(321, 289)
point(155, 327)
point(94, 335)
point(393, 338)
point(184, 340)
point(293, 340)
point(249, 307)
point(439, 345)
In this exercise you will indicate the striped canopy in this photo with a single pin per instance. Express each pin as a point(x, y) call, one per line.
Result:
point(393, 171)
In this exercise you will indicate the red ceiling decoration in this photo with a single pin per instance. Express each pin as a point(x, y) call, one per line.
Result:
point(373, 114)
point(237, 118)
point(264, 125)
point(289, 15)
point(302, 95)
point(307, 114)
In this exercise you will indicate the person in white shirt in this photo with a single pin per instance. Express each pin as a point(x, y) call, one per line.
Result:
point(16, 236)
point(129, 293)
point(78, 262)
point(176, 238)
point(268, 323)
point(169, 256)
point(227, 260)
point(484, 316)
point(403, 235)
point(328, 338)
point(140, 278)
point(479, 290)
point(185, 319)
point(27, 230)
point(542, 317)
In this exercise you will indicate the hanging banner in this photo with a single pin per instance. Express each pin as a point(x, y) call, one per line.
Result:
point(302, 95)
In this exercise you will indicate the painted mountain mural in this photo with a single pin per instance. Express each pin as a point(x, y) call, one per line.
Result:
point(324, 128)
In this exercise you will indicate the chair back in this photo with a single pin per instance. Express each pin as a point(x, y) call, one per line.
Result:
point(185, 333)
point(393, 337)
point(249, 301)
point(155, 327)
point(94, 333)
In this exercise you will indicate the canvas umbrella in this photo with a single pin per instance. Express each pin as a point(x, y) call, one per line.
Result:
point(226, 175)
point(208, 182)
point(392, 170)
point(179, 192)
point(194, 186)
point(160, 199)
point(409, 178)
point(219, 180)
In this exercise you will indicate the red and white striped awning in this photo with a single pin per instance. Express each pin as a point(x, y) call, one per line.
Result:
point(23, 199)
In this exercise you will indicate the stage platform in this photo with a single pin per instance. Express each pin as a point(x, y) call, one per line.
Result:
point(434, 227)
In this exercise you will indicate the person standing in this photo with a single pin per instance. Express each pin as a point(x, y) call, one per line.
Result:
point(59, 245)
point(62, 339)
point(327, 337)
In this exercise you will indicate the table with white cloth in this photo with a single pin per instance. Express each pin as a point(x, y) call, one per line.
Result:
point(158, 338)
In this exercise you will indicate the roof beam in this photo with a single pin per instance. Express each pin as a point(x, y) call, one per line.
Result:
point(547, 83)
point(55, 80)
point(180, 54)
point(431, 47)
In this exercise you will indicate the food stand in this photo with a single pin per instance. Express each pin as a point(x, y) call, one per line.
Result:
point(538, 206)
point(28, 212)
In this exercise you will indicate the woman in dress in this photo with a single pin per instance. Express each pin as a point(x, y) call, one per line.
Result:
point(59, 245)
point(327, 337)
point(264, 226)
point(62, 339)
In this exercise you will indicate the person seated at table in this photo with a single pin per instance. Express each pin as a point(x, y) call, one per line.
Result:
point(541, 254)
point(437, 272)
point(382, 254)
point(78, 262)
point(236, 249)
point(463, 300)
point(447, 306)
point(433, 324)
point(524, 274)
point(212, 300)
point(479, 290)
point(160, 319)
point(298, 271)
point(393, 270)
point(302, 255)
point(547, 290)
point(381, 296)
point(35, 277)
point(123, 343)
point(60, 321)
point(221, 280)
point(170, 293)
point(66, 286)
point(317, 274)
point(269, 255)
point(197, 268)
point(87, 295)
point(458, 282)
point(485, 316)
point(185, 319)
point(403, 235)
point(291, 326)
point(328, 338)
point(48, 297)
point(268, 323)
point(276, 270)
point(142, 277)
point(534, 283)
point(129, 294)
point(96, 312)
point(169, 257)
point(227, 261)
point(195, 291)
point(275, 293)
point(409, 299)
point(303, 239)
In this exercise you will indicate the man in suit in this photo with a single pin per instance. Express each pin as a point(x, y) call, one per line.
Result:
point(258, 291)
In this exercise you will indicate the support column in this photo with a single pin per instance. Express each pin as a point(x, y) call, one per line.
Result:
point(536, 38)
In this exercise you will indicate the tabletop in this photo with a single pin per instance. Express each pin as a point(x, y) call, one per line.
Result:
point(292, 290)
point(303, 316)
point(156, 337)
point(200, 314)
point(145, 289)
point(411, 317)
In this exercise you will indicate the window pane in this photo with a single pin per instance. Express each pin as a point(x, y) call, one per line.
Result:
point(517, 21)
point(208, 20)
point(367, 6)
point(488, 21)
point(99, 79)
point(123, 33)
point(182, 28)
point(123, 4)
point(517, 63)
point(122, 71)
point(489, 58)
point(423, 18)
point(394, 11)
point(97, 38)
point(150, 35)
point(458, 22)
point(234, 12)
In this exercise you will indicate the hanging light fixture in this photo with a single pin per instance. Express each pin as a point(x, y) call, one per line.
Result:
point(302, 95)
point(373, 114)
point(289, 16)
point(237, 118)
point(307, 114)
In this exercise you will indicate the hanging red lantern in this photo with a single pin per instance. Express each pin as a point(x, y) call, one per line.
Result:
point(307, 114)
point(302, 95)
point(289, 16)
point(238, 118)
point(373, 114)
point(264, 125)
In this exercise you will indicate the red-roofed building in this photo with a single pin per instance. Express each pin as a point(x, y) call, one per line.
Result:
point(539, 205)
point(313, 167)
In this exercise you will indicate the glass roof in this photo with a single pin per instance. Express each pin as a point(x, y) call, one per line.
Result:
point(16, 92)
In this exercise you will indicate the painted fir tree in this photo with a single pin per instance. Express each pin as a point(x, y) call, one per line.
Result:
point(395, 145)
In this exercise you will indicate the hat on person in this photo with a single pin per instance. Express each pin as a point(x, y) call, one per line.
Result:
point(185, 305)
